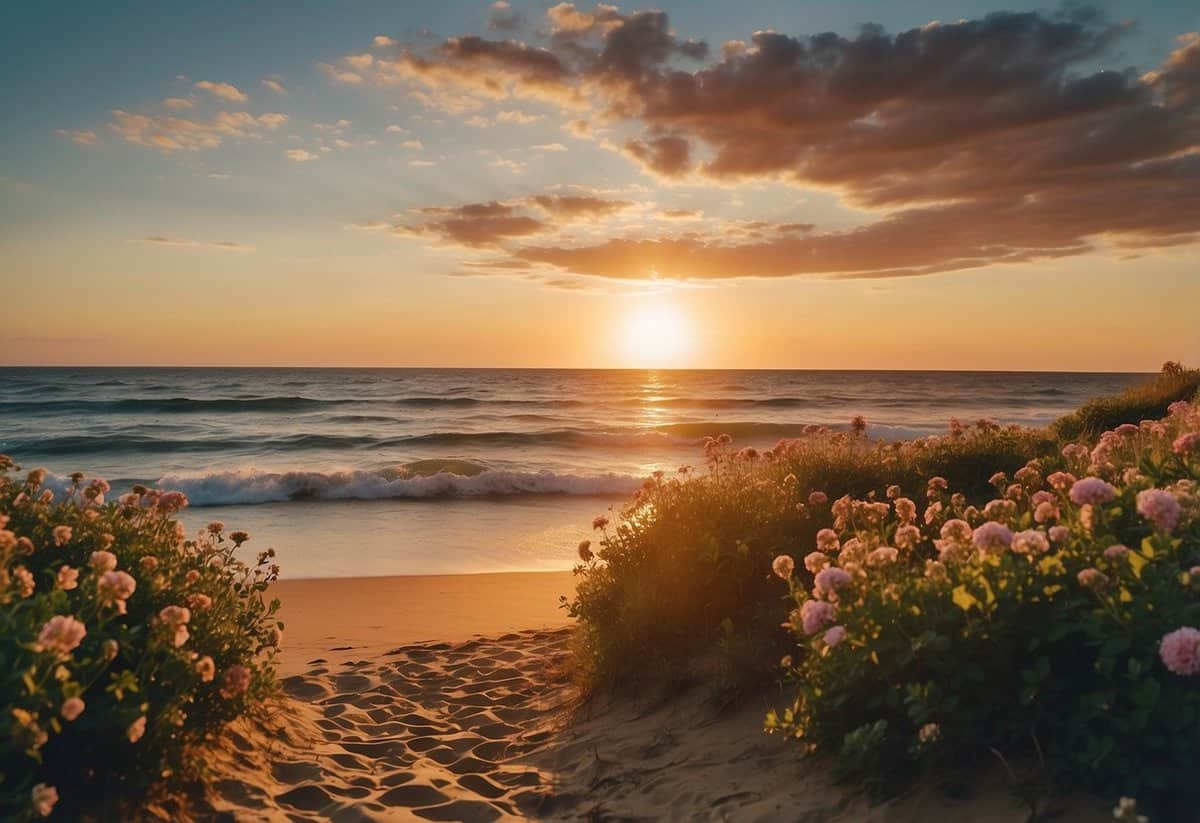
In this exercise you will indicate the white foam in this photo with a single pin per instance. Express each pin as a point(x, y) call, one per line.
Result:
point(251, 486)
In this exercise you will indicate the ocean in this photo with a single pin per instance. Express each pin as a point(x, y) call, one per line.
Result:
point(364, 472)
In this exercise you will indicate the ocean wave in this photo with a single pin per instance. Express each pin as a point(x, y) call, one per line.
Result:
point(171, 405)
point(250, 486)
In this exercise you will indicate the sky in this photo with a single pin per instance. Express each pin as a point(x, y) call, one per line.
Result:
point(765, 184)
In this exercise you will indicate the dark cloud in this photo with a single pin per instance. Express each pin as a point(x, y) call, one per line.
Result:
point(494, 223)
point(973, 143)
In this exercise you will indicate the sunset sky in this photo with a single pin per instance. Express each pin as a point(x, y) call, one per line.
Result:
point(703, 184)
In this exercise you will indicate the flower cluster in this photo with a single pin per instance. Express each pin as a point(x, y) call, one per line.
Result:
point(1065, 611)
point(126, 644)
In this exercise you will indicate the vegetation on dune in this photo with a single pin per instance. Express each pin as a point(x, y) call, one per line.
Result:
point(1147, 401)
point(1048, 638)
point(124, 645)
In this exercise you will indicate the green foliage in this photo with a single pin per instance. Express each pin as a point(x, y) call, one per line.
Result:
point(123, 646)
point(1060, 620)
point(688, 562)
point(1147, 401)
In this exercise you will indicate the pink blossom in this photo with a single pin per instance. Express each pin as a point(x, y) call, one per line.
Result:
point(1092, 491)
point(1115, 552)
point(815, 561)
point(1180, 651)
point(1093, 579)
point(815, 614)
point(114, 588)
point(44, 798)
point(827, 541)
point(906, 510)
point(103, 561)
point(235, 681)
point(136, 729)
point(206, 669)
point(818, 499)
point(72, 707)
point(907, 536)
point(828, 581)
point(1030, 542)
point(67, 578)
point(783, 566)
point(1058, 534)
point(992, 538)
point(61, 635)
point(883, 556)
point(62, 535)
point(23, 577)
point(599, 522)
point(1159, 507)
point(930, 733)
point(1045, 512)
point(835, 635)
point(1061, 480)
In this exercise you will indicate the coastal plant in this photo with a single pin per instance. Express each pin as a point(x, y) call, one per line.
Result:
point(1060, 620)
point(1145, 401)
point(124, 645)
point(686, 563)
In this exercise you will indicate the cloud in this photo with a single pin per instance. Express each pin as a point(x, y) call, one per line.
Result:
point(300, 155)
point(396, 130)
point(223, 245)
point(963, 144)
point(216, 175)
point(519, 117)
point(179, 103)
point(225, 91)
point(422, 164)
point(80, 137)
point(414, 145)
point(503, 17)
point(275, 84)
point(492, 224)
point(515, 166)
point(169, 133)
point(551, 147)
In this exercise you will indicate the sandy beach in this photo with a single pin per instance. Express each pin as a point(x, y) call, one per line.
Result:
point(449, 698)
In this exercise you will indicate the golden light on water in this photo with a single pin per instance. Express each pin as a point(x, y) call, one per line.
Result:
point(655, 335)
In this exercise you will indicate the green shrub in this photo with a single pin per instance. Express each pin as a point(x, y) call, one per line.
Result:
point(1061, 620)
point(688, 562)
point(123, 646)
point(1147, 401)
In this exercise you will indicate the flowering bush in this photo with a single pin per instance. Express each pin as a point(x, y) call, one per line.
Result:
point(688, 562)
point(123, 646)
point(1060, 618)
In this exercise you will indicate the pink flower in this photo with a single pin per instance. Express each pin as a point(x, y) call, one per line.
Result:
point(200, 602)
point(818, 499)
point(827, 541)
point(170, 502)
point(1030, 542)
point(815, 561)
point(114, 588)
point(815, 614)
point(148, 563)
point(1187, 443)
point(175, 618)
point(136, 729)
point(929, 733)
point(1115, 552)
point(599, 522)
point(1093, 491)
point(23, 577)
point(835, 635)
point(62, 535)
point(1179, 408)
point(828, 581)
point(907, 536)
point(44, 798)
point(1061, 480)
point(783, 566)
point(191, 577)
point(906, 510)
point(1180, 651)
point(1159, 507)
point(1045, 512)
point(67, 578)
point(235, 681)
point(72, 707)
point(1093, 579)
point(883, 556)
point(206, 669)
point(61, 635)
point(992, 538)
point(103, 561)
point(1058, 534)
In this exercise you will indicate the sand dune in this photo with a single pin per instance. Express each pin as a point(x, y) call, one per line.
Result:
point(488, 729)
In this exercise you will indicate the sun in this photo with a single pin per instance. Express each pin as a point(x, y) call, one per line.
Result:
point(655, 336)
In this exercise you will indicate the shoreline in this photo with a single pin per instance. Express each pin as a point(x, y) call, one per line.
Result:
point(339, 619)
